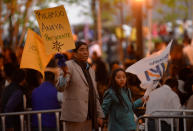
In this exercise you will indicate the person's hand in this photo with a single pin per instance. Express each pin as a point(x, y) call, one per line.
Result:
point(65, 70)
point(145, 98)
point(100, 121)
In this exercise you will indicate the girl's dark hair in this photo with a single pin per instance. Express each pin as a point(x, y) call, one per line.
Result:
point(115, 87)
point(172, 82)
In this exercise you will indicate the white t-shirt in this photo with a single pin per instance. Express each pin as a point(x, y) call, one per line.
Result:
point(162, 98)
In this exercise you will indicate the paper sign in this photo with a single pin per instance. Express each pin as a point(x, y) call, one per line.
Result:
point(34, 55)
point(55, 29)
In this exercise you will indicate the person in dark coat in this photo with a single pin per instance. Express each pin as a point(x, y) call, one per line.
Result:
point(12, 99)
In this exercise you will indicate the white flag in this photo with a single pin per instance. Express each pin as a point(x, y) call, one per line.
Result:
point(151, 69)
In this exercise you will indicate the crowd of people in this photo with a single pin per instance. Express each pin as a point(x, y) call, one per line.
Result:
point(91, 93)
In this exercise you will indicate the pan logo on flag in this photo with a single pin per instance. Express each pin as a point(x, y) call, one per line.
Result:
point(156, 73)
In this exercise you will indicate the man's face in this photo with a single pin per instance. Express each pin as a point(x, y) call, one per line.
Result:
point(82, 53)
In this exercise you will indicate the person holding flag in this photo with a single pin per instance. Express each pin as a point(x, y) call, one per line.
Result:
point(151, 69)
point(118, 103)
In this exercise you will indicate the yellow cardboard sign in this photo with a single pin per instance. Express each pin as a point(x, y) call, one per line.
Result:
point(34, 55)
point(55, 29)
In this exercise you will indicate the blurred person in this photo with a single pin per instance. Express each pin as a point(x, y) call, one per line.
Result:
point(136, 91)
point(183, 75)
point(128, 63)
point(131, 54)
point(33, 80)
point(155, 31)
point(1, 61)
point(158, 46)
point(189, 105)
point(118, 104)
point(1, 71)
point(134, 85)
point(164, 97)
point(162, 31)
point(44, 97)
point(8, 72)
point(188, 86)
point(112, 53)
point(13, 99)
point(2, 77)
point(6, 79)
point(77, 80)
point(94, 48)
point(114, 65)
point(170, 36)
point(10, 56)
point(188, 51)
point(185, 25)
point(19, 52)
point(177, 60)
point(101, 74)
point(94, 57)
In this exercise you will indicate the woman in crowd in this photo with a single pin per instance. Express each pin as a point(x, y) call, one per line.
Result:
point(118, 103)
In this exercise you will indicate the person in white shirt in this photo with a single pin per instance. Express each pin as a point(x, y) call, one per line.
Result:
point(165, 97)
point(188, 50)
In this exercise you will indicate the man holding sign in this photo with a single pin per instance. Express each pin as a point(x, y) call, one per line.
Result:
point(81, 109)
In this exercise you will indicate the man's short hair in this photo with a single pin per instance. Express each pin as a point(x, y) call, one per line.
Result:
point(78, 44)
point(49, 76)
point(172, 82)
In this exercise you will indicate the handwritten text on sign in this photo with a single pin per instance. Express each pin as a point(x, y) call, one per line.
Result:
point(55, 29)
